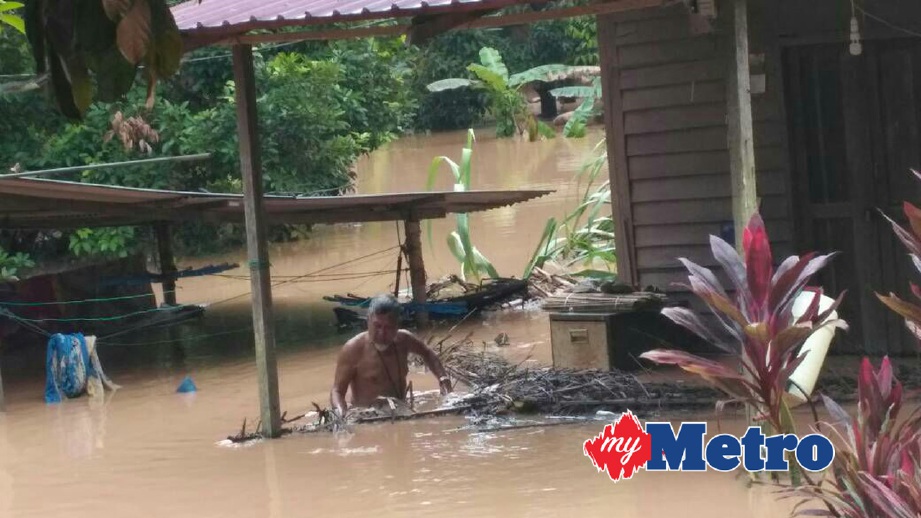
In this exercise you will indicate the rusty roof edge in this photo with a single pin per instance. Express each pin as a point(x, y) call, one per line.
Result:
point(196, 27)
point(102, 187)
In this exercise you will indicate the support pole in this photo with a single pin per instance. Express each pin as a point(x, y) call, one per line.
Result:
point(257, 250)
point(741, 133)
point(416, 268)
point(167, 262)
point(396, 286)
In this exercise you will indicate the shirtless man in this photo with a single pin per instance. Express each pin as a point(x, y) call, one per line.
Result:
point(374, 363)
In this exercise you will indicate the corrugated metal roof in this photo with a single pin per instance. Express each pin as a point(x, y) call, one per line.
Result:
point(51, 204)
point(243, 15)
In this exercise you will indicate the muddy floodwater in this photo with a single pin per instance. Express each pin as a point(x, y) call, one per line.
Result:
point(148, 451)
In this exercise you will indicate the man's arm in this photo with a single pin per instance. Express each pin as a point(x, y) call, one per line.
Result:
point(345, 371)
point(416, 346)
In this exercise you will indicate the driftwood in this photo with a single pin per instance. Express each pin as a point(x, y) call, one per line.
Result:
point(603, 302)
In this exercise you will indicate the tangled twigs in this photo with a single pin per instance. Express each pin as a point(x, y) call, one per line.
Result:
point(498, 386)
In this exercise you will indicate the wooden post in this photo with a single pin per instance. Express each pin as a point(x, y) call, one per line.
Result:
point(396, 286)
point(260, 280)
point(741, 133)
point(616, 139)
point(167, 262)
point(416, 268)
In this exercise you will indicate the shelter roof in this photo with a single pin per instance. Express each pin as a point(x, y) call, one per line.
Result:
point(264, 14)
point(205, 22)
point(29, 203)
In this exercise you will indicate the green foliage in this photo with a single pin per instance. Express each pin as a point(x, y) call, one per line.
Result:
point(9, 17)
point(25, 119)
point(576, 126)
point(474, 265)
point(11, 265)
point(506, 105)
point(103, 242)
point(585, 236)
point(583, 32)
point(91, 49)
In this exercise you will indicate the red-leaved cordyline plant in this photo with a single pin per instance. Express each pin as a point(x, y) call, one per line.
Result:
point(877, 466)
point(912, 240)
point(756, 322)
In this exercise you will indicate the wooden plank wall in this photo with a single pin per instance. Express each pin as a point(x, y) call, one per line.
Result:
point(671, 112)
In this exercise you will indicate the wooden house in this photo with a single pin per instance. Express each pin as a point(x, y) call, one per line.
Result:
point(836, 131)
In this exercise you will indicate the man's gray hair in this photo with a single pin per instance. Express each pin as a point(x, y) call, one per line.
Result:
point(385, 305)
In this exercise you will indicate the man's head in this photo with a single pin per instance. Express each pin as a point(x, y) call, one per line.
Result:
point(384, 315)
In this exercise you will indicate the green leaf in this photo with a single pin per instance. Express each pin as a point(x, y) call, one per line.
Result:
point(543, 250)
point(573, 91)
point(491, 59)
point(545, 130)
point(80, 83)
point(9, 6)
point(14, 22)
point(554, 72)
point(450, 84)
point(484, 265)
point(492, 79)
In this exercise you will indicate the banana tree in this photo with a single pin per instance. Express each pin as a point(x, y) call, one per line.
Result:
point(575, 126)
point(506, 102)
point(474, 265)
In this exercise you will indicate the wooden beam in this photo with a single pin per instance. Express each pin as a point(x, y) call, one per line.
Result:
point(327, 35)
point(416, 267)
point(261, 284)
point(167, 261)
point(601, 8)
point(739, 112)
point(616, 140)
point(424, 28)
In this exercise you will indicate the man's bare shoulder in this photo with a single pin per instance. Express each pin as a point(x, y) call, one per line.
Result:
point(354, 346)
point(409, 339)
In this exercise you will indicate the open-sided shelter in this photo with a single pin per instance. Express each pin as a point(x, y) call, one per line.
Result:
point(713, 109)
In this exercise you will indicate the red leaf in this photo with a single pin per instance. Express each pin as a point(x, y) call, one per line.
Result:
point(914, 217)
point(785, 285)
point(758, 263)
point(884, 378)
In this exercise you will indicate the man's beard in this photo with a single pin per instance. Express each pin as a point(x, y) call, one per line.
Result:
point(379, 346)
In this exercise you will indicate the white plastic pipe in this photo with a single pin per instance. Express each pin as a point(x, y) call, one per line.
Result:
point(803, 379)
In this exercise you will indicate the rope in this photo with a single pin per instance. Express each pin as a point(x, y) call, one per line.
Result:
point(189, 339)
point(320, 277)
point(28, 325)
point(88, 319)
point(321, 270)
point(886, 22)
point(83, 301)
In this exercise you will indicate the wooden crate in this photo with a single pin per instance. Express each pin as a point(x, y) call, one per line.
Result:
point(607, 340)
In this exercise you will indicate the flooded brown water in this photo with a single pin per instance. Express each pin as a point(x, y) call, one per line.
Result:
point(148, 451)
